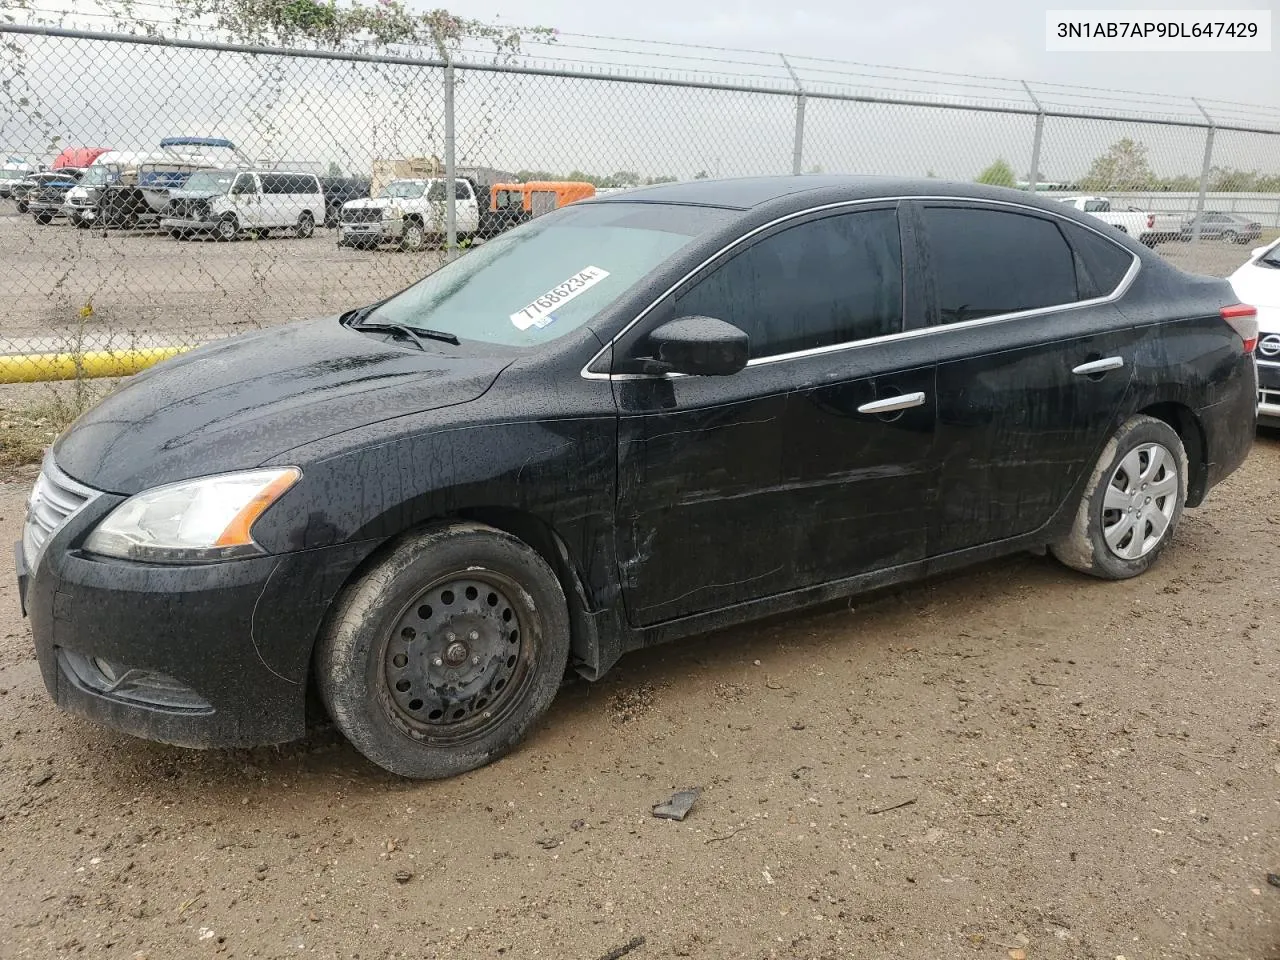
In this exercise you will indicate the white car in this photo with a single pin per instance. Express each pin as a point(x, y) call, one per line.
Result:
point(406, 212)
point(227, 203)
point(1258, 283)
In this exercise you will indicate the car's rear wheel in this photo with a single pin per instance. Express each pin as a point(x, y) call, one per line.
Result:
point(1132, 504)
point(306, 225)
point(443, 656)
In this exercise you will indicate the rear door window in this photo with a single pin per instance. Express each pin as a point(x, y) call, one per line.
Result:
point(988, 262)
point(1100, 264)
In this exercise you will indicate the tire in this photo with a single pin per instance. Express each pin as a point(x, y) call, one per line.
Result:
point(432, 696)
point(22, 206)
point(414, 237)
point(80, 222)
point(306, 225)
point(1229, 236)
point(228, 227)
point(44, 219)
point(1126, 482)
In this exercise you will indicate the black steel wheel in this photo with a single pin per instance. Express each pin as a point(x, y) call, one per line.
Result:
point(457, 659)
point(442, 657)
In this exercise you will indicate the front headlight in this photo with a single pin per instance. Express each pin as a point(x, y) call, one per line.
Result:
point(195, 521)
point(392, 213)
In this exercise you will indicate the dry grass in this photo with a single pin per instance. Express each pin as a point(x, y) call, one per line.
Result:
point(26, 431)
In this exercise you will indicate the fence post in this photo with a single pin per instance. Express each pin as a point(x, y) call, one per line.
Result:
point(1034, 176)
point(450, 168)
point(797, 150)
point(1204, 173)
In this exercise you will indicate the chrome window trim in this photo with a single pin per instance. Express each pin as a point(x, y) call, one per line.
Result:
point(1121, 288)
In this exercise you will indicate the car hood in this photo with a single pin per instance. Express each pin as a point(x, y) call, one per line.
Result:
point(1260, 286)
point(1257, 285)
point(236, 404)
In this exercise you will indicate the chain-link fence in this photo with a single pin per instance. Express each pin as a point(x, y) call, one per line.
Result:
point(225, 188)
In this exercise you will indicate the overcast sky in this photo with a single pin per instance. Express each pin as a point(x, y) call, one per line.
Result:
point(992, 37)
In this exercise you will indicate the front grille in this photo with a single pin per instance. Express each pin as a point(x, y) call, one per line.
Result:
point(55, 499)
point(80, 201)
point(189, 209)
point(362, 215)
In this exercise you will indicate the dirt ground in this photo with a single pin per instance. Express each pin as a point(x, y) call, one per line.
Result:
point(1017, 758)
point(1015, 761)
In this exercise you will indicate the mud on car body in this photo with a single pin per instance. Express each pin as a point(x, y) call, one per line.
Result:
point(627, 421)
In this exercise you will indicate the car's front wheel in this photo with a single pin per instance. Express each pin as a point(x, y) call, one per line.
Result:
point(305, 226)
point(443, 656)
point(414, 237)
point(1132, 504)
point(228, 227)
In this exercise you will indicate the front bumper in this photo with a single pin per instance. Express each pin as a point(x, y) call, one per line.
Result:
point(44, 206)
point(1269, 392)
point(208, 655)
point(189, 226)
point(378, 230)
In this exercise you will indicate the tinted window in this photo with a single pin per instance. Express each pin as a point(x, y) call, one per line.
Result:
point(461, 190)
point(1100, 264)
point(820, 283)
point(987, 262)
point(272, 183)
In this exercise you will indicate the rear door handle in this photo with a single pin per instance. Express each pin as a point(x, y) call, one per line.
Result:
point(889, 404)
point(1098, 366)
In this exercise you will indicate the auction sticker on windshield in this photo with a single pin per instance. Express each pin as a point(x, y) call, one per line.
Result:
point(538, 313)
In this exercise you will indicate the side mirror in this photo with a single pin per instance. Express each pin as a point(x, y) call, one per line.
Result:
point(698, 346)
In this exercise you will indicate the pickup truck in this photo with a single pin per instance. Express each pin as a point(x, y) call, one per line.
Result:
point(406, 213)
point(1147, 228)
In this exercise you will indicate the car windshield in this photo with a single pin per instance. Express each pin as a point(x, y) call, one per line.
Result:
point(12, 174)
point(405, 189)
point(96, 176)
point(210, 182)
point(550, 276)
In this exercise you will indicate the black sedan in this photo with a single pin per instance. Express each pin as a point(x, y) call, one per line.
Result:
point(628, 421)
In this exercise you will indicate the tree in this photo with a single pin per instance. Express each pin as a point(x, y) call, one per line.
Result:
point(1123, 167)
point(815, 169)
point(930, 174)
point(999, 174)
point(335, 169)
point(665, 178)
point(701, 175)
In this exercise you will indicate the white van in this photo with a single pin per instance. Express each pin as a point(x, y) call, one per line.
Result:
point(228, 203)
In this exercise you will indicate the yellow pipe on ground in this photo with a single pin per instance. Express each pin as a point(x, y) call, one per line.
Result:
point(42, 367)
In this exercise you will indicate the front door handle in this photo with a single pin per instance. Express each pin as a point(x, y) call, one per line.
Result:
point(1098, 366)
point(903, 401)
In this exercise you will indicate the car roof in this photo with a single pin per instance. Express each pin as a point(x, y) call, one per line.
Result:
point(747, 193)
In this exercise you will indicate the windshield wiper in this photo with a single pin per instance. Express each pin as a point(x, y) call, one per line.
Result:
point(1271, 260)
point(417, 334)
